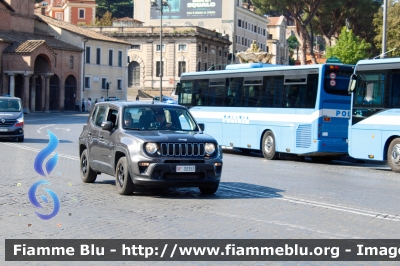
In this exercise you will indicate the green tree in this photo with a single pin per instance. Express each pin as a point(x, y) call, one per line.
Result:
point(106, 20)
point(349, 48)
point(392, 28)
point(333, 15)
point(119, 8)
point(293, 45)
point(301, 12)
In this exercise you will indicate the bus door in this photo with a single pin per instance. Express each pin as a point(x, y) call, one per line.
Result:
point(252, 97)
point(368, 103)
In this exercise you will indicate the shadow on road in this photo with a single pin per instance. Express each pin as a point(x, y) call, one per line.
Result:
point(226, 190)
point(30, 140)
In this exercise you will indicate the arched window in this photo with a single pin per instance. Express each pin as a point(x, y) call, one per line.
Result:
point(71, 62)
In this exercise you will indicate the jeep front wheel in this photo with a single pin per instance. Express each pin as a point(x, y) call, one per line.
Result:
point(209, 190)
point(123, 180)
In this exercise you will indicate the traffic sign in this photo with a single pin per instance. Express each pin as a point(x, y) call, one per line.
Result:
point(332, 75)
point(332, 83)
point(334, 60)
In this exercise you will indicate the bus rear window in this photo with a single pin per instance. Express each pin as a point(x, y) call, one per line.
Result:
point(336, 79)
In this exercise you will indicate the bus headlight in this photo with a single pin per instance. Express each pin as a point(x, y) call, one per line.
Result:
point(151, 147)
point(209, 148)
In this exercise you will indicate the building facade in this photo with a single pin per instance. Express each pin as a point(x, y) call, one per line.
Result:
point(232, 18)
point(104, 59)
point(77, 12)
point(184, 49)
point(40, 69)
point(277, 40)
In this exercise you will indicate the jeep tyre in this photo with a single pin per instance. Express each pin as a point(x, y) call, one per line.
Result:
point(209, 190)
point(123, 180)
point(87, 174)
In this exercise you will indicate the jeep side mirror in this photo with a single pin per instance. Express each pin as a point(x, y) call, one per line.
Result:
point(201, 126)
point(107, 125)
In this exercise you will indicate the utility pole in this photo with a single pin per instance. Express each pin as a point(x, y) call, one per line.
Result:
point(383, 55)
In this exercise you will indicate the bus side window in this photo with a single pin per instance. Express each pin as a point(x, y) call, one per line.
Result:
point(394, 90)
point(246, 95)
point(369, 93)
point(239, 93)
point(277, 89)
point(300, 99)
point(265, 99)
point(236, 86)
point(311, 91)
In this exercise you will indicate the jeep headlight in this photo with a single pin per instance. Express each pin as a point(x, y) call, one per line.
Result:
point(151, 147)
point(209, 148)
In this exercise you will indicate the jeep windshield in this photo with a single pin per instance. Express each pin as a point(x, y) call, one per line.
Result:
point(10, 105)
point(158, 118)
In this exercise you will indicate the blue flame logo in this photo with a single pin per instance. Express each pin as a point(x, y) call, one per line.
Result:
point(51, 163)
point(34, 201)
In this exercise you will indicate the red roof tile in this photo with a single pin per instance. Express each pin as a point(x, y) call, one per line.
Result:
point(78, 30)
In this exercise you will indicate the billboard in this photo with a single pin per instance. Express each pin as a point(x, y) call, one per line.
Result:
point(189, 9)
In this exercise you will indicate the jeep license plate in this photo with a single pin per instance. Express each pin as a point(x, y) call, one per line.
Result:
point(3, 129)
point(185, 168)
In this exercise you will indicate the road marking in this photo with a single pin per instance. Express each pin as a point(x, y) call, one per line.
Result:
point(373, 214)
point(67, 129)
point(38, 131)
point(75, 158)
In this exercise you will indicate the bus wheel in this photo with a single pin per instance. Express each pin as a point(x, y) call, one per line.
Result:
point(394, 155)
point(268, 146)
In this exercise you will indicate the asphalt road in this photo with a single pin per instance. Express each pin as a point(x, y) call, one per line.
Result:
point(257, 199)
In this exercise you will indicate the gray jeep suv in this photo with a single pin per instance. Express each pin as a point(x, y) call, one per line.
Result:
point(149, 145)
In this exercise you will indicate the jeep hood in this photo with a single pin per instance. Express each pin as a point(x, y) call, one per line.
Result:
point(171, 136)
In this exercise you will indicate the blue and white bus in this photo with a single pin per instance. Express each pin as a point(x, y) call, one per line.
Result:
point(374, 131)
point(301, 110)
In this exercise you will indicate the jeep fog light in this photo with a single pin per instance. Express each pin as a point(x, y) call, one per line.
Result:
point(210, 148)
point(151, 147)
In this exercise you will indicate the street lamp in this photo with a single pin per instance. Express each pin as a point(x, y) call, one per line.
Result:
point(160, 6)
point(107, 88)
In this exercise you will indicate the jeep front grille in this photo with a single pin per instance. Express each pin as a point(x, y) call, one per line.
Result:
point(182, 149)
